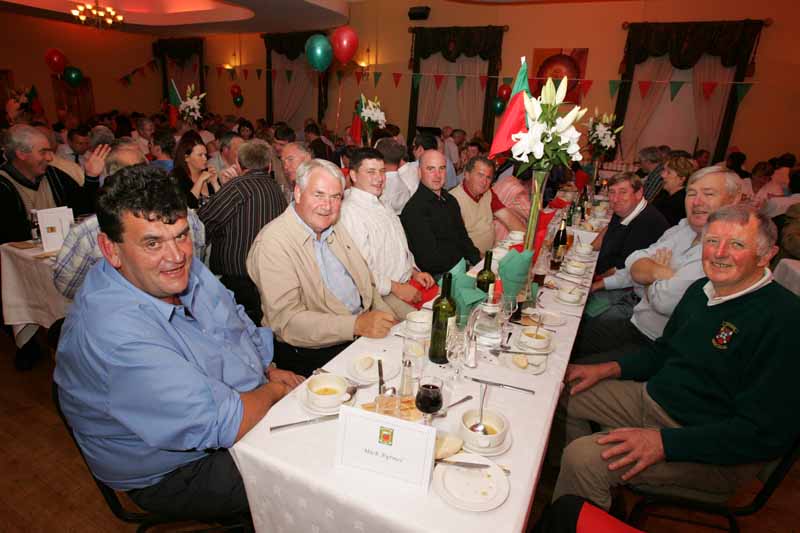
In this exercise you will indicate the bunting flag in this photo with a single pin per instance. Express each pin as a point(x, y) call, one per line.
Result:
point(437, 79)
point(174, 103)
point(205, 70)
point(613, 87)
point(245, 72)
point(415, 79)
point(258, 73)
point(508, 80)
point(584, 86)
point(644, 88)
point(514, 117)
point(141, 72)
point(153, 65)
point(219, 72)
point(289, 74)
point(396, 76)
point(484, 79)
point(459, 82)
point(708, 88)
point(359, 75)
point(742, 90)
point(356, 126)
point(376, 76)
point(232, 73)
point(339, 76)
point(674, 89)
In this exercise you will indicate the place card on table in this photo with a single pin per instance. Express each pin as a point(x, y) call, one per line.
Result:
point(53, 226)
point(386, 446)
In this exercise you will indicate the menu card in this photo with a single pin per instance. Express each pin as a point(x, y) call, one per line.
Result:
point(386, 446)
point(53, 226)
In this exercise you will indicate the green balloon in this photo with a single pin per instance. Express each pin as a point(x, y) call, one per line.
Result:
point(238, 100)
point(319, 52)
point(498, 106)
point(73, 76)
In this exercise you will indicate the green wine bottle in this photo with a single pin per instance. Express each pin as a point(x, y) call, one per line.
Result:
point(444, 318)
point(486, 277)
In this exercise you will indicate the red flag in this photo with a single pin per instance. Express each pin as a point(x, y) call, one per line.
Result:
point(585, 85)
point(644, 88)
point(484, 79)
point(219, 71)
point(359, 75)
point(245, 72)
point(437, 79)
point(396, 76)
point(512, 121)
point(708, 88)
point(355, 129)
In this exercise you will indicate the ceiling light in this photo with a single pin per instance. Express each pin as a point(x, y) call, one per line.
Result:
point(96, 14)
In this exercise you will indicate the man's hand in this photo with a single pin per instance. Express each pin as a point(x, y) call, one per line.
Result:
point(597, 243)
point(648, 270)
point(423, 278)
point(285, 377)
point(588, 376)
point(229, 173)
point(95, 162)
point(374, 324)
point(407, 293)
point(638, 446)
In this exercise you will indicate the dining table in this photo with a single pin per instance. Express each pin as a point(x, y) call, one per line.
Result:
point(293, 483)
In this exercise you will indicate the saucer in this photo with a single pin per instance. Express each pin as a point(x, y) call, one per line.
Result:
point(549, 318)
point(391, 367)
point(490, 452)
point(579, 303)
point(478, 489)
point(534, 369)
point(305, 403)
point(522, 347)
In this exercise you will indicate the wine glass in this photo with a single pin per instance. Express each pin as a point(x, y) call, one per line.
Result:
point(429, 397)
point(455, 351)
point(507, 309)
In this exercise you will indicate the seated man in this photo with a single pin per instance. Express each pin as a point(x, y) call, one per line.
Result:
point(701, 410)
point(228, 154)
point(379, 234)
point(395, 193)
point(76, 149)
point(432, 221)
point(481, 211)
point(292, 156)
point(660, 273)
point(651, 160)
point(159, 371)
point(162, 146)
point(234, 216)
point(409, 172)
point(317, 293)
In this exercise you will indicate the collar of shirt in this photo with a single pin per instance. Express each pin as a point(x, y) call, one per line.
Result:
point(363, 197)
point(636, 210)
point(430, 196)
point(708, 288)
point(473, 198)
point(20, 178)
point(311, 233)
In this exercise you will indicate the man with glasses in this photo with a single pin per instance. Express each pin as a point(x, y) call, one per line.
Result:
point(317, 292)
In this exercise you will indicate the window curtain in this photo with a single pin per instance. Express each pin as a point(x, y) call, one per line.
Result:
point(181, 60)
point(710, 112)
point(289, 95)
point(471, 95)
point(657, 69)
point(431, 98)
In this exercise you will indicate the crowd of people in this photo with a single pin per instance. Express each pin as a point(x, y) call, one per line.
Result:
point(220, 263)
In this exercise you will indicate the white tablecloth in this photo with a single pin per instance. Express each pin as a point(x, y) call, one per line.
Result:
point(30, 299)
point(292, 484)
point(787, 273)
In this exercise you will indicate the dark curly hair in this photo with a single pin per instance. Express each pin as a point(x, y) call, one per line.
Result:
point(144, 191)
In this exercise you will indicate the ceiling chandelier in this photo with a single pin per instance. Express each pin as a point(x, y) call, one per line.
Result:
point(96, 15)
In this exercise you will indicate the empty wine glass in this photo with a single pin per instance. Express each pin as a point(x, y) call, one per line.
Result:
point(507, 309)
point(455, 352)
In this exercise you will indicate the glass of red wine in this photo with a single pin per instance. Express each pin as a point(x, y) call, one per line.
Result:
point(429, 397)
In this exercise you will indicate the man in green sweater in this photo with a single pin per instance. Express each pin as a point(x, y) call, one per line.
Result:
point(704, 408)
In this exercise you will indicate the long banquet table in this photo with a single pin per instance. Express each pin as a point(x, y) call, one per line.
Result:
point(293, 485)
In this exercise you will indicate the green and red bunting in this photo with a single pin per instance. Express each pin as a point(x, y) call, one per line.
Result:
point(245, 73)
point(508, 80)
point(644, 88)
point(289, 74)
point(174, 103)
point(396, 76)
point(376, 76)
point(232, 73)
point(741, 90)
point(437, 80)
point(674, 89)
point(484, 80)
point(359, 74)
point(514, 117)
point(415, 79)
point(339, 76)
point(459, 82)
point(708, 88)
point(584, 86)
point(613, 87)
point(258, 73)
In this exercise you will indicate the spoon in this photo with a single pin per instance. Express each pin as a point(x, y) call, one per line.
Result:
point(443, 412)
point(479, 427)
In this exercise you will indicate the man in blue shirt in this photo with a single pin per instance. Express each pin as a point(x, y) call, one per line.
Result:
point(159, 370)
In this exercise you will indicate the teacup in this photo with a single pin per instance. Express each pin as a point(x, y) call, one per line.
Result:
point(583, 248)
point(516, 236)
point(419, 321)
point(538, 340)
point(496, 424)
point(570, 294)
point(327, 390)
point(575, 267)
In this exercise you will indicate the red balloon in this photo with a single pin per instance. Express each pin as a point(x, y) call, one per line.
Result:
point(504, 92)
point(345, 43)
point(56, 60)
point(235, 90)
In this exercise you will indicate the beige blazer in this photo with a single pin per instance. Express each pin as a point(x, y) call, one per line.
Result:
point(297, 306)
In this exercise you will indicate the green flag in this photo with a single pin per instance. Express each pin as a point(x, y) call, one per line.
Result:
point(521, 83)
point(376, 76)
point(674, 89)
point(415, 79)
point(613, 86)
point(459, 82)
point(339, 76)
point(174, 95)
point(289, 74)
point(508, 80)
point(741, 90)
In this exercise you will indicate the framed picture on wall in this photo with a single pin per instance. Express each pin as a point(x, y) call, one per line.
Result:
point(78, 101)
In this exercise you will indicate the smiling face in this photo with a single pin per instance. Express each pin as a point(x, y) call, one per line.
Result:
point(705, 196)
point(370, 176)
point(319, 203)
point(623, 199)
point(478, 180)
point(730, 256)
point(433, 170)
point(35, 162)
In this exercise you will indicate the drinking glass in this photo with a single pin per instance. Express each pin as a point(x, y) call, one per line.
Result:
point(507, 308)
point(429, 397)
point(455, 352)
point(415, 349)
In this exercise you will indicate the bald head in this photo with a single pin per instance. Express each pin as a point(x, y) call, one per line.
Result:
point(433, 170)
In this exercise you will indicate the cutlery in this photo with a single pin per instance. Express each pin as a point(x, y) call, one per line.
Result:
point(479, 427)
point(501, 385)
point(353, 384)
point(496, 352)
point(526, 325)
point(578, 283)
point(462, 464)
point(457, 402)
point(305, 422)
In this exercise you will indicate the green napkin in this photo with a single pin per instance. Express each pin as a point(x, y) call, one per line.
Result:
point(465, 293)
point(597, 305)
point(513, 271)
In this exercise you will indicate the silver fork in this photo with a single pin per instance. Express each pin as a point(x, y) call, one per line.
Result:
point(358, 386)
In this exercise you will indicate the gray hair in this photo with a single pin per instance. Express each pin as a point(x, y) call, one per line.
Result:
point(20, 137)
point(733, 183)
point(652, 154)
point(255, 154)
point(115, 160)
point(305, 169)
point(227, 138)
point(142, 122)
point(100, 135)
point(741, 214)
point(302, 147)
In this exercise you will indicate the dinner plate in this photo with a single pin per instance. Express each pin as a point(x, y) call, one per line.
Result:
point(549, 318)
point(521, 346)
point(490, 452)
point(391, 367)
point(534, 369)
point(471, 489)
point(574, 304)
point(305, 403)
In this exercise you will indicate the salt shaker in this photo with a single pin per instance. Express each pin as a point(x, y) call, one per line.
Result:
point(407, 379)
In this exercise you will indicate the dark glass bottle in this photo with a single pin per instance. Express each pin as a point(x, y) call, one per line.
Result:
point(486, 277)
point(559, 246)
point(444, 318)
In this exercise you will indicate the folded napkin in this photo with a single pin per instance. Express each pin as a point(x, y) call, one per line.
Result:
point(513, 271)
point(557, 203)
point(597, 305)
point(465, 293)
point(427, 294)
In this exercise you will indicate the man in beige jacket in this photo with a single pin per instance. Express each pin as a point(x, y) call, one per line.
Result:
point(317, 292)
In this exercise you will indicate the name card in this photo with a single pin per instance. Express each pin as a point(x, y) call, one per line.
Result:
point(386, 446)
point(53, 226)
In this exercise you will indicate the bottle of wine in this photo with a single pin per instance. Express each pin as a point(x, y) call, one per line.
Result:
point(559, 246)
point(444, 319)
point(570, 213)
point(486, 277)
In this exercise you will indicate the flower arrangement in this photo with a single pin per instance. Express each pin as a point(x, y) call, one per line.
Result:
point(372, 116)
point(190, 106)
point(602, 134)
point(25, 100)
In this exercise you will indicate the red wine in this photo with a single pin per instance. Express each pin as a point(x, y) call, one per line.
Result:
point(429, 398)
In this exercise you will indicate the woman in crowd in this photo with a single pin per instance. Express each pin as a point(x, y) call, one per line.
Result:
point(671, 200)
point(246, 129)
point(761, 175)
point(195, 177)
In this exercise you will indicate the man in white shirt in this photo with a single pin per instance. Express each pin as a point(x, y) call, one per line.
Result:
point(76, 147)
point(395, 192)
point(660, 274)
point(143, 133)
point(409, 172)
point(227, 157)
point(451, 146)
point(379, 235)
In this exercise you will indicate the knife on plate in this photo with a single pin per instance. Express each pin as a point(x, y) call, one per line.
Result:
point(501, 385)
point(305, 422)
point(462, 464)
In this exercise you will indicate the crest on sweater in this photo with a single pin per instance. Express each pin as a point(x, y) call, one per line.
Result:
point(724, 336)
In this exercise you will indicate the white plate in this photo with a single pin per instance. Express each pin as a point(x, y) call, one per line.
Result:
point(471, 489)
point(522, 347)
point(491, 452)
point(549, 318)
point(584, 257)
point(391, 367)
point(507, 360)
point(574, 304)
point(302, 399)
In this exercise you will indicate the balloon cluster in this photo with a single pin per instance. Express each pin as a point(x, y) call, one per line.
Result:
point(320, 51)
point(499, 103)
point(236, 94)
point(59, 64)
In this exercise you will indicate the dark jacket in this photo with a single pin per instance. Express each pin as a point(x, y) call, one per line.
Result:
point(621, 241)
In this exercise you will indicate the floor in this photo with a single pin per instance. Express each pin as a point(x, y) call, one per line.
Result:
point(44, 485)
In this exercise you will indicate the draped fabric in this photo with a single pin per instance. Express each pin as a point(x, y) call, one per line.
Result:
point(289, 95)
point(291, 45)
point(182, 61)
point(709, 112)
point(470, 97)
point(431, 98)
point(657, 69)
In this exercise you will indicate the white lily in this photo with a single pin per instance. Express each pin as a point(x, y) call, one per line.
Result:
point(562, 91)
point(548, 92)
point(570, 135)
point(532, 107)
point(529, 142)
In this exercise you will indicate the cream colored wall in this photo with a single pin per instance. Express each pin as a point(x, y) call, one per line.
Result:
point(250, 53)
